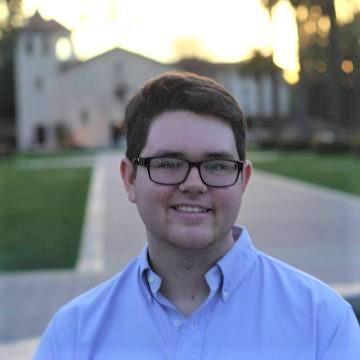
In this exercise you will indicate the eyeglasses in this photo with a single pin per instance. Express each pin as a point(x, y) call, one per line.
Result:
point(217, 173)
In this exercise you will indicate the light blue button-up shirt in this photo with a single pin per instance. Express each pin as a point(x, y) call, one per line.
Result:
point(258, 308)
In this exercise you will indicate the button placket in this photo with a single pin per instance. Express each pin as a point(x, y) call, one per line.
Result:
point(190, 338)
point(178, 323)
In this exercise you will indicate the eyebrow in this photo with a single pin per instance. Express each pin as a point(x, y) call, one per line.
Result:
point(220, 155)
point(169, 153)
point(208, 155)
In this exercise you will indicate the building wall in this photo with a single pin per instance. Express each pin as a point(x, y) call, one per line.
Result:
point(36, 82)
point(81, 97)
point(84, 97)
point(88, 92)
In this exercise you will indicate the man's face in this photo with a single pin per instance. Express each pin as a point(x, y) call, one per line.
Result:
point(171, 213)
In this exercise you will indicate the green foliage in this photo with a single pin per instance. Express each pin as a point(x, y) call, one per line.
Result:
point(258, 65)
point(41, 214)
point(7, 46)
point(321, 55)
point(14, 17)
point(7, 101)
point(350, 39)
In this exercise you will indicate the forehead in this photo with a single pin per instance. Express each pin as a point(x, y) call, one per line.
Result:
point(189, 134)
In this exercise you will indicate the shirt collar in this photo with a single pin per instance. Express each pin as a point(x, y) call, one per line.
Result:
point(228, 272)
point(150, 279)
point(236, 263)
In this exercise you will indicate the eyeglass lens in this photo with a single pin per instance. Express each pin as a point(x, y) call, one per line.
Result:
point(174, 171)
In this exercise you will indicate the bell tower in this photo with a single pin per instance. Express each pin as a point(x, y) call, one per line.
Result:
point(37, 68)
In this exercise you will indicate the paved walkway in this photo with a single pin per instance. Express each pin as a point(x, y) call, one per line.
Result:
point(315, 229)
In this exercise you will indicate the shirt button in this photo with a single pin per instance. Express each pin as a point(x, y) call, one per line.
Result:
point(177, 323)
point(150, 278)
point(225, 294)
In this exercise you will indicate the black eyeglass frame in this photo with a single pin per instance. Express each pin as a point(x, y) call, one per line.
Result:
point(145, 162)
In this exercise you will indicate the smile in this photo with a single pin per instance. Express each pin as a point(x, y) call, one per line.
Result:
point(190, 209)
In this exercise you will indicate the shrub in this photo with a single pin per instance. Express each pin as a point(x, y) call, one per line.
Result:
point(292, 138)
point(354, 142)
point(328, 142)
point(266, 139)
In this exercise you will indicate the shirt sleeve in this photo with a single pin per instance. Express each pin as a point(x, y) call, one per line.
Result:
point(59, 339)
point(45, 350)
point(345, 345)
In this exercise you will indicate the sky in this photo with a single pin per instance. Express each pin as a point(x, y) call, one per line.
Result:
point(223, 31)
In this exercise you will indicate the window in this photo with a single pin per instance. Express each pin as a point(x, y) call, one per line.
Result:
point(29, 46)
point(121, 91)
point(118, 68)
point(46, 45)
point(40, 136)
point(84, 117)
point(39, 83)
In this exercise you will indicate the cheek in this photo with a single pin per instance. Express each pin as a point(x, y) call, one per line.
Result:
point(228, 202)
point(152, 199)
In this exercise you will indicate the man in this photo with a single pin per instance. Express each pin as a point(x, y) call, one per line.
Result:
point(199, 290)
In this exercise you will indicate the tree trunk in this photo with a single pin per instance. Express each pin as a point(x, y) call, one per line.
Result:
point(275, 99)
point(301, 108)
point(334, 63)
point(260, 96)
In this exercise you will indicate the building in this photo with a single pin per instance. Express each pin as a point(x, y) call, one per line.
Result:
point(77, 102)
point(80, 104)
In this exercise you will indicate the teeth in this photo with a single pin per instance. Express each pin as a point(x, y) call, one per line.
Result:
point(190, 209)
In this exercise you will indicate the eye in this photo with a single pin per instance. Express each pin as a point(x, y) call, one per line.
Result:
point(166, 163)
point(219, 165)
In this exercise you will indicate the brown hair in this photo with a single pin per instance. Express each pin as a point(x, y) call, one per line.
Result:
point(180, 91)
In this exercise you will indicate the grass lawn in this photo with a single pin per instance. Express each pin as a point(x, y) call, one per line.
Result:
point(41, 216)
point(340, 172)
point(41, 211)
point(57, 154)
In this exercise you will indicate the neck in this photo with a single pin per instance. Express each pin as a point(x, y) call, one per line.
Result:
point(183, 273)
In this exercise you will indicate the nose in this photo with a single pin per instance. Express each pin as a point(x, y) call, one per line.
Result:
point(193, 182)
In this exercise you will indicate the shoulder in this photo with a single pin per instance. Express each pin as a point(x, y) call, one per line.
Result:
point(300, 289)
point(298, 298)
point(80, 319)
point(101, 296)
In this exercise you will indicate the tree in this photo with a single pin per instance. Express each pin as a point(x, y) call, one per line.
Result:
point(350, 50)
point(320, 55)
point(190, 48)
point(260, 67)
point(13, 18)
point(13, 15)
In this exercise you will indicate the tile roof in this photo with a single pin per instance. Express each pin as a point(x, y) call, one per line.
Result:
point(37, 23)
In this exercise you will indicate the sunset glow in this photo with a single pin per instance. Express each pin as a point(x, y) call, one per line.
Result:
point(286, 57)
point(226, 31)
point(345, 10)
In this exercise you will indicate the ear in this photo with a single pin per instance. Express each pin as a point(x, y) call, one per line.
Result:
point(246, 174)
point(128, 177)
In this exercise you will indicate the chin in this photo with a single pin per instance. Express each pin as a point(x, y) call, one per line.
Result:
point(191, 239)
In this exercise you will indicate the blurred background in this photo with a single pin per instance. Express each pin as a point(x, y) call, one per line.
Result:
point(293, 65)
point(67, 69)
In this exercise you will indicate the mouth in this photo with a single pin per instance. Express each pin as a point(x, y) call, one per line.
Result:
point(191, 209)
